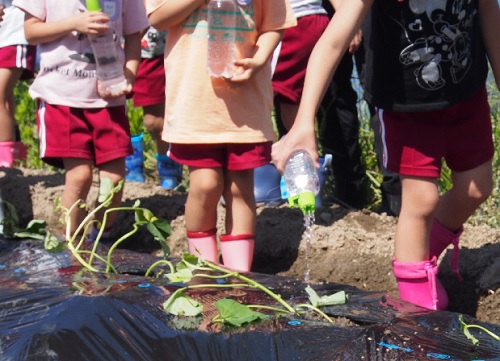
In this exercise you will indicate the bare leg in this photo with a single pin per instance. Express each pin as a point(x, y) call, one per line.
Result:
point(205, 190)
point(153, 121)
point(78, 181)
point(240, 202)
point(8, 79)
point(288, 114)
point(470, 190)
point(114, 170)
point(419, 202)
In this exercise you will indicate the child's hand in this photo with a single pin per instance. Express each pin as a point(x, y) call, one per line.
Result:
point(244, 70)
point(109, 94)
point(90, 22)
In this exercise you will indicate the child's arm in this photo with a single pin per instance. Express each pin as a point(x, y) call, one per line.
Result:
point(323, 62)
point(356, 41)
point(265, 45)
point(489, 15)
point(132, 49)
point(38, 31)
point(171, 13)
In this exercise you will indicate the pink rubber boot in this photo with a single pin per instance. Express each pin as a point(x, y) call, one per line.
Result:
point(12, 153)
point(237, 251)
point(418, 284)
point(441, 237)
point(204, 245)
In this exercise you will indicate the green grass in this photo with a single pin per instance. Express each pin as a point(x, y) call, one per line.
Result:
point(486, 214)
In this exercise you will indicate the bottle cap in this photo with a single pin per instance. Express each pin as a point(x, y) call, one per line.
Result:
point(307, 202)
point(93, 5)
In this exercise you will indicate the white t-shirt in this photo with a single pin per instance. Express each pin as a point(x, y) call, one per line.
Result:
point(67, 73)
point(12, 27)
point(307, 7)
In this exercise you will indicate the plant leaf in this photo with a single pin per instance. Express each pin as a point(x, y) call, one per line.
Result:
point(181, 305)
point(34, 230)
point(54, 245)
point(160, 229)
point(188, 261)
point(105, 189)
point(338, 298)
point(182, 275)
point(237, 314)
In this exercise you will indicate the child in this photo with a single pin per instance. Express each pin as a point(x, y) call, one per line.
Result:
point(426, 76)
point(17, 62)
point(78, 127)
point(220, 128)
point(292, 55)
point(149, 93)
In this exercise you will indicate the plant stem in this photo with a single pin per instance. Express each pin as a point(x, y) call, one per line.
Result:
point(157, 263)
point(253, 284)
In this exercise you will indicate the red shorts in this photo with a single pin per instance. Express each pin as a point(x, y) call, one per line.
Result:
point(232, 156)
point(19, 56)
point(416, 142)
point(149, 86)
point(296, 47)
point(101, 134)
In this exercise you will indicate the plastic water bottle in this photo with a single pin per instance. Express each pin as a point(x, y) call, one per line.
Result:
point(221, 37)
point(300, 181)
point(109, 69)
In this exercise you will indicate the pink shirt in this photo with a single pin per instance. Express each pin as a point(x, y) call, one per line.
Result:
point(200, 110)
point(67, 75)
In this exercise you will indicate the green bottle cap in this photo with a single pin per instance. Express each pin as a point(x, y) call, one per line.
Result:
point(93, 5)
point(307, 202)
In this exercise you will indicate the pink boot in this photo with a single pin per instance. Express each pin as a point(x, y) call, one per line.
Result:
point(12, 154)
point(418, 284)
point(441, 237)
point(204, 245)
point(237, 251)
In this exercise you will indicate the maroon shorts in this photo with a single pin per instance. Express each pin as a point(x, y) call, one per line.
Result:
point(19, 56)
point(296, 47)
point(149, 86)
point(416, 142)
point(100, 134)
point(232, 156)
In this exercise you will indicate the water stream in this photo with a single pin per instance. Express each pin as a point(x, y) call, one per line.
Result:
point(308, 222)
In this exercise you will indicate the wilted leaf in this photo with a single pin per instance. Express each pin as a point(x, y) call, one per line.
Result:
point(338, 298)
point(182, 305)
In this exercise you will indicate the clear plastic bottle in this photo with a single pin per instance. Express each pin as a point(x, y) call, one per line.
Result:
point(109, 68)
point(221, 38)
point(300, 181)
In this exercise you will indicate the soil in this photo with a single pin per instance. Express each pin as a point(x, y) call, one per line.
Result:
point(346, 247)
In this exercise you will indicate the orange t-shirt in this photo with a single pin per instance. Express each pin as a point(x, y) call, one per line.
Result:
point(201, 109)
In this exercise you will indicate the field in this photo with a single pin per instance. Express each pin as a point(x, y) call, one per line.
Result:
point(347, 247)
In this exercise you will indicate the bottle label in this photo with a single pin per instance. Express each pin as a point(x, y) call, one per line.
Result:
point(112, 9)
point(283, 189)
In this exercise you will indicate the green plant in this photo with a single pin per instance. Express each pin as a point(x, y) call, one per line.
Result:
point(158, 227)
point(230, 311)
point(465, 329)
point(10, 224)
